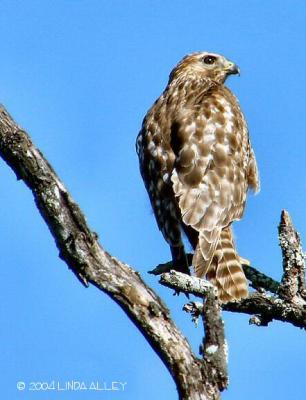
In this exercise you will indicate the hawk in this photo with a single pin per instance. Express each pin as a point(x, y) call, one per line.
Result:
point(197, 164)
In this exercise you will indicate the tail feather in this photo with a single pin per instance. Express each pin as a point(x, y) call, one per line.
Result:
point(224, 269)
point(205, 250)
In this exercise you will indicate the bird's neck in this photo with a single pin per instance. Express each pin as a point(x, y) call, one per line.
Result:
point(189, 86)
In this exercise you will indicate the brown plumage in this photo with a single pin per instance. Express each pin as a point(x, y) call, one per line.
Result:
point(197, 164)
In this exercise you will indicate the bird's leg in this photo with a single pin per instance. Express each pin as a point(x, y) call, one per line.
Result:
point(179, 259)
point(180, 263)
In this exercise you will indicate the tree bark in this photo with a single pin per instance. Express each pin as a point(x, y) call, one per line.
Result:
point(78, 246)
point(292, 286)
point(263, 305)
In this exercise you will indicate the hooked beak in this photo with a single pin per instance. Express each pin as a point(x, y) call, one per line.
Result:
point(232, 69)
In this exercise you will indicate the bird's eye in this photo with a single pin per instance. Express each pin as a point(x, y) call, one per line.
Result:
point(209, 60)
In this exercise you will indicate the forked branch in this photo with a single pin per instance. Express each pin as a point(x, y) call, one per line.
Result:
point(79, 248)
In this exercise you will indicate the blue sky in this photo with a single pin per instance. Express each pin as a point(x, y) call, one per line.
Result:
point(79, 77)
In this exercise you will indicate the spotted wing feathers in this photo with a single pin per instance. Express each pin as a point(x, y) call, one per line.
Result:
point(210, 183)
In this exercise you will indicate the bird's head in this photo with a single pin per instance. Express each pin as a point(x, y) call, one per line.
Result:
point(204, 65)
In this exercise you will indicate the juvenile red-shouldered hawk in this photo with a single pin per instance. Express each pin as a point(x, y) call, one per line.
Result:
point(197, 164)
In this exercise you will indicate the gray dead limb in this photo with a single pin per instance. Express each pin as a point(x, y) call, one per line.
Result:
point(264, 306)
point(79, 248)
point(292, 287)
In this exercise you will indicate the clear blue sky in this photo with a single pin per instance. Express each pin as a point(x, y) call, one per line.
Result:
point(79, 77)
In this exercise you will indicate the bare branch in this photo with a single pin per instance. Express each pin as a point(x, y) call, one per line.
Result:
point(267, 307)
point(215, 349)
point(258, 279)
point(292, 284)
point(79, 248)
point(186, 283)
point(270, 308)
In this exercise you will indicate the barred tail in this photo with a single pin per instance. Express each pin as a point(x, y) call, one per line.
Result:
point(224, 269)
